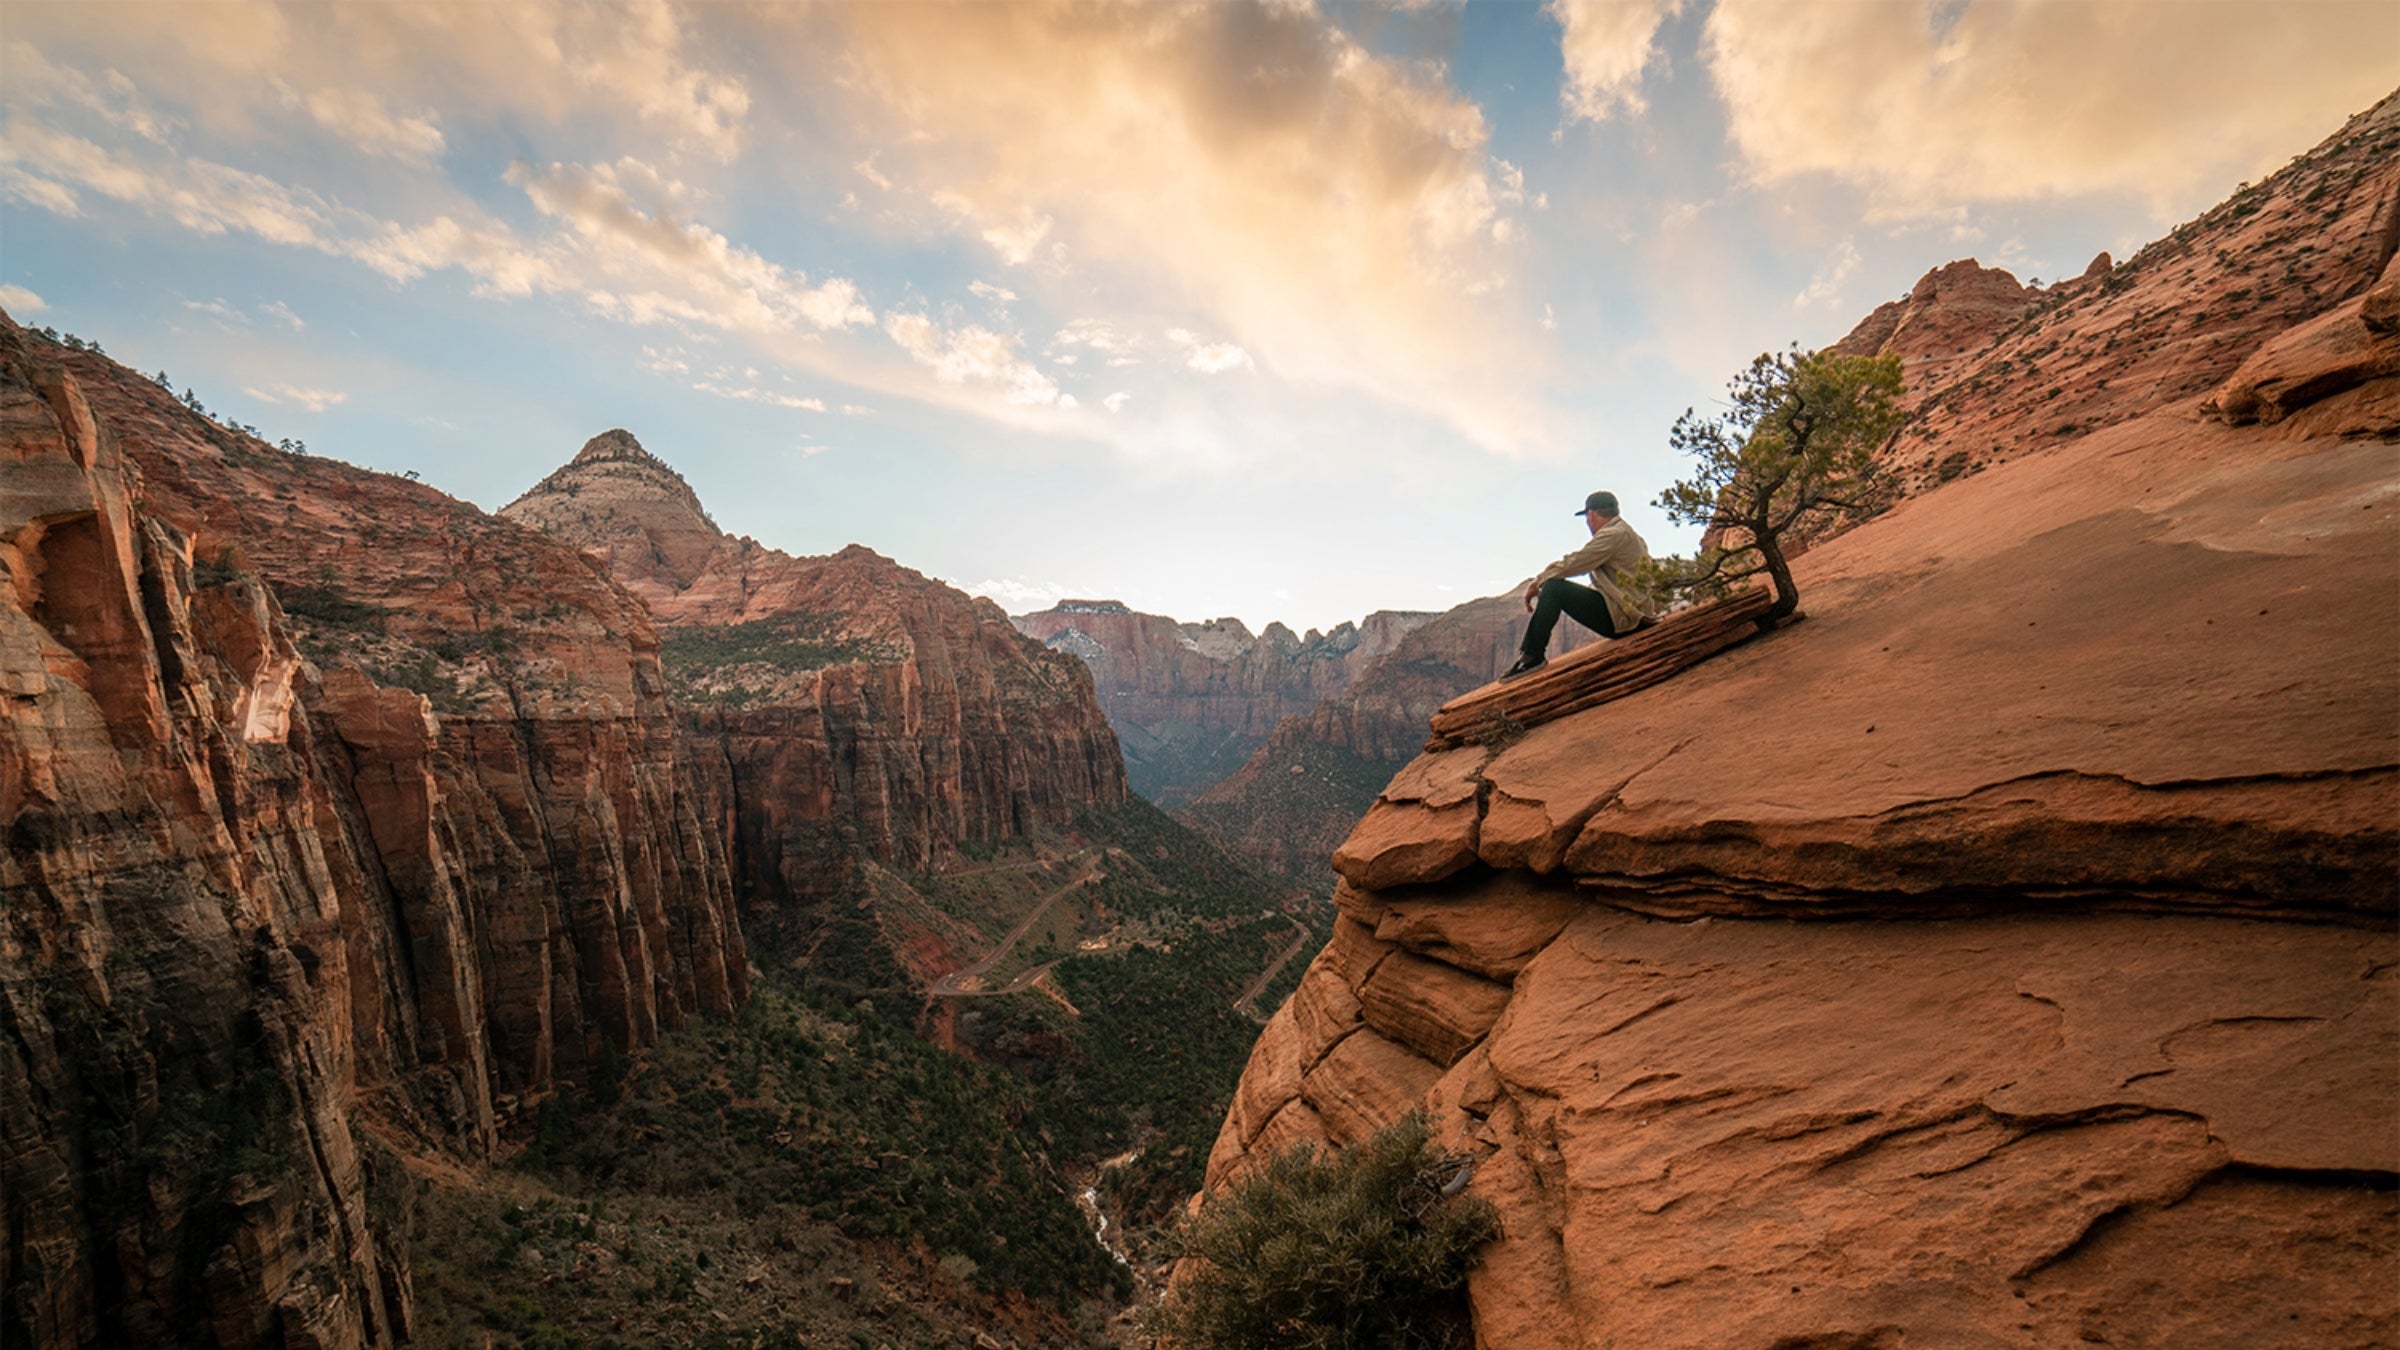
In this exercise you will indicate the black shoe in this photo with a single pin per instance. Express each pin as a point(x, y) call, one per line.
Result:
point(1526, 665)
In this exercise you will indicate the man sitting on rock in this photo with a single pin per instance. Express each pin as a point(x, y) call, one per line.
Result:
point(1607, 606)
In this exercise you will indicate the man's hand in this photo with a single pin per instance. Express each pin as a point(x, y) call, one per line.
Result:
point(1532, 589)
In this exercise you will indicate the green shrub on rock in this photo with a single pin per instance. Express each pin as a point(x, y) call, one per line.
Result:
point(1354, 1250)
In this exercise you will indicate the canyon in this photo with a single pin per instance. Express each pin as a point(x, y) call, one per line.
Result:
point(2005, 955)
point(1191, 701)
point(1298, 794)
point(351, 830)
point(849, 710)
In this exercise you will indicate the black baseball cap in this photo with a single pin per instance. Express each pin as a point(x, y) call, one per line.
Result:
point(1603, 502)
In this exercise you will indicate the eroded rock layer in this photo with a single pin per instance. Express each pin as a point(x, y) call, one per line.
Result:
point(843, 709)
point(267, 900)
point(2007, 955)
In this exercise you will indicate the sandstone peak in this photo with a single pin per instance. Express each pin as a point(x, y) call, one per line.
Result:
point(619, 499)
point(615, 443)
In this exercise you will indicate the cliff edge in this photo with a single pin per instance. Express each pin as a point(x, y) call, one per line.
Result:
point(2005, 956)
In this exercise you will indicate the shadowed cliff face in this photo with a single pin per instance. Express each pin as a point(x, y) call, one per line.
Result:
point(843, 709)
point(1300, 791)
point(2091, 752)
point(1191, 701)
point(265, 901)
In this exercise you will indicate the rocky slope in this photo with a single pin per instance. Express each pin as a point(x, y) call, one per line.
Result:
point(1300, 791)
point(846, 710)
point(1995, 370)
point(336, 812)
point(2009, 954)
point(1191, 701)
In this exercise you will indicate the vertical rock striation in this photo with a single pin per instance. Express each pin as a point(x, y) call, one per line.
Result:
point(267, 905)
point(845, 710)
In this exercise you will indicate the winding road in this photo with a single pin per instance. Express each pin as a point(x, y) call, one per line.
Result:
point(1258, 986)
point(956, 983)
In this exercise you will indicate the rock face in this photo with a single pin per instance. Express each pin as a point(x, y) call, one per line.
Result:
point(1190, 701)
point(265, 904)
point(2169, 324)
point(846, 710)
point(614, 496)
point(1948, 317)
point(1299, 793)
point(2009, 955)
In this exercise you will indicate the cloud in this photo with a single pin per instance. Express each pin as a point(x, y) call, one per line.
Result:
point(313, 400)
point(1209, 358)
point(1606, 44)
point(18, 300)
point(45, 166)
point(33, 82)
point(997, 294)
point(1330, 210)
point(360, 119)
point(1019, 596)
point(974, 355)
point(641, 261)
point(1826, 286)
point(281, 312)
point(748, 393)
point(229, 65)
point(1930, 105)
point(1116, 402)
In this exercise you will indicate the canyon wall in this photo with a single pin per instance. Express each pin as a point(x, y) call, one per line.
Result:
point(1300, 791)
point(1191, 701)
point(844, 710)
point(2008, 954)
point(341, 819)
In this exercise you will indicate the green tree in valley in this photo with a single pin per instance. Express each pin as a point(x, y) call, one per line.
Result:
point(1797, 441)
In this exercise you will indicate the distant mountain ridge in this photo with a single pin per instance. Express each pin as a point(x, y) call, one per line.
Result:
point(1190, 701)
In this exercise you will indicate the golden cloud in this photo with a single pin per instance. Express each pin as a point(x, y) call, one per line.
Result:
point(1933, 105)
point(1605, 45)
point(238, 66)
point(1250, 168)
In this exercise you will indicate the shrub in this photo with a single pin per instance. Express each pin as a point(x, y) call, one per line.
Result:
point(1349, 1251)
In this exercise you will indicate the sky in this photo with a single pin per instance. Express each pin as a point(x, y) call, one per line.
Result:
point(1290, 311)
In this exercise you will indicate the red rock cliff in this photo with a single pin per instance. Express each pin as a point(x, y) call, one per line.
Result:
point(2005, 956)
point(264, 902)
point(847, 710)
point(1190, 701)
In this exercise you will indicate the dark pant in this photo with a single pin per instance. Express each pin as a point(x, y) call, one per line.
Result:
point(1579, 602)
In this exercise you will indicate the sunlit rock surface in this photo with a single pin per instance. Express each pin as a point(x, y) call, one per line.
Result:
point(2004, 956)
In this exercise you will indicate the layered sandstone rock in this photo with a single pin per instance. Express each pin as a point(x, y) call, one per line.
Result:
point(1191, 701)
point(263, 902)
point(843, 709)
point(2169, 324)
point(2007, 956)
point(645, 521)
point(1302, 789)
point(1948, 317)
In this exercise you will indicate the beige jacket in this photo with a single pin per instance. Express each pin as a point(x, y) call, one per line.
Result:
point(1614, 551)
